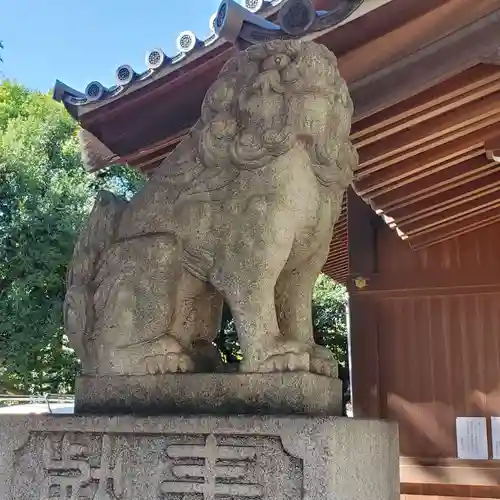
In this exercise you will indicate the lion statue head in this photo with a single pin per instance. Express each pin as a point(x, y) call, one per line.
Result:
point(269, 98)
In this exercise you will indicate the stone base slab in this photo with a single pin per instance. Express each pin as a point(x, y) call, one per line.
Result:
point(210, 393)
point(197, 458)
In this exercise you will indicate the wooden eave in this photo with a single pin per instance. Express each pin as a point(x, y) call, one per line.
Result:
point(427, 100)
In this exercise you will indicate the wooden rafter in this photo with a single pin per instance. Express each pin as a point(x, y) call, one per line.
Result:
point(442, 59)
point(470, 223)
point(473, 84)
point(476, 115)
point(471, 190)
point(427, 160)
point(470, 167)
point(461, 210)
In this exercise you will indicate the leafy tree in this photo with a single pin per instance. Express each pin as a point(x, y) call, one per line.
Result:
point(227, 339)
point(45, 193)
point(330, 317)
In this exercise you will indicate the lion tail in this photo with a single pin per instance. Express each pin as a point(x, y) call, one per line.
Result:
point(97, 235)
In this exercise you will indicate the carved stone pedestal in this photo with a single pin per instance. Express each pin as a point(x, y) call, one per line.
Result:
point(285, 393)
point(197, 458)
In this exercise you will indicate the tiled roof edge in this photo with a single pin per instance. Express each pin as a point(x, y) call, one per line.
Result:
point(187, 44)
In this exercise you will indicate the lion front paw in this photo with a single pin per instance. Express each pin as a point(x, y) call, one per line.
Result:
point(280, 357)
point(169, 363)
point(288, 362)
point(323, 362)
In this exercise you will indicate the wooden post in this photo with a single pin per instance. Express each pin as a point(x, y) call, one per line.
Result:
point(363, 329)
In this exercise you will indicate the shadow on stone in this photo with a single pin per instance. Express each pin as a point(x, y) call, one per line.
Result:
point(210, 393)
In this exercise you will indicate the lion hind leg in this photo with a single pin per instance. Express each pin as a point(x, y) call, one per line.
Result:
point(96, 236)
point(197, 322)
point(135, 305)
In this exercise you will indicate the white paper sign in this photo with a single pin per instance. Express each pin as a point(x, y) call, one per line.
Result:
point(472, 438)
point(495, 437)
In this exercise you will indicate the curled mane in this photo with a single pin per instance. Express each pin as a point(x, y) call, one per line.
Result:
point(257, 108)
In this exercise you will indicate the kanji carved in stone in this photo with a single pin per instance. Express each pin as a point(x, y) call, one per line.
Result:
point(242, 211)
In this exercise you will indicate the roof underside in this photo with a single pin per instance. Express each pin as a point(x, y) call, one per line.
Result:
point(423, 163)
point(427, 99)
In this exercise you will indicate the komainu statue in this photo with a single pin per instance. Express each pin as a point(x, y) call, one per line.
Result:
point(242, 211)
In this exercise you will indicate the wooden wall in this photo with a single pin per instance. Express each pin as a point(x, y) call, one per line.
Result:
point(425, 346)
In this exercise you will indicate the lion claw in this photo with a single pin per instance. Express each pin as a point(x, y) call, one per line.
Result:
point(323, 362)
point(323, 367)
point(169, 363)
point(286, 362)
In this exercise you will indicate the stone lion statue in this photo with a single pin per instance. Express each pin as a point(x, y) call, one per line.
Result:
point(242, 211)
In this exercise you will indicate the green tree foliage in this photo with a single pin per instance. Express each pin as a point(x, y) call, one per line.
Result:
point(329, 322)
point(45, 194)
point(330, 317)
point(227, 339)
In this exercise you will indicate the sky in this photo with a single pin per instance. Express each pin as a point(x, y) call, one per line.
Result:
point(78, 42)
